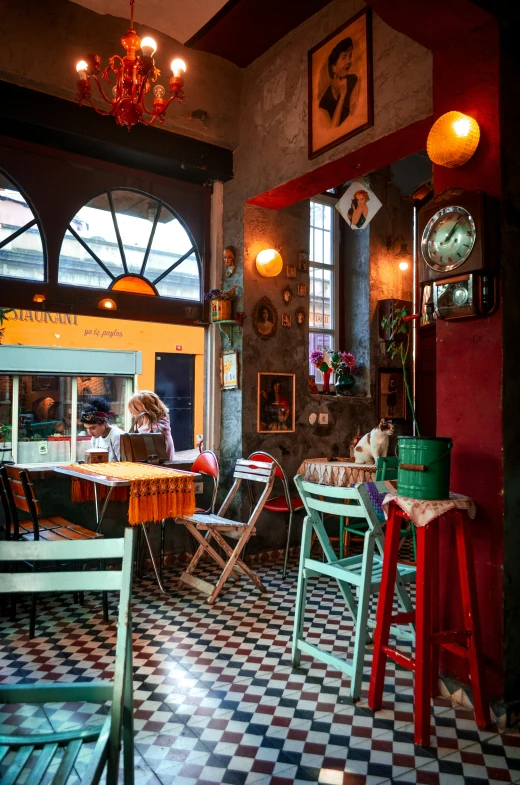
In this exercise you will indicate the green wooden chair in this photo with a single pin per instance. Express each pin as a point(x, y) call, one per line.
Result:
point(386, 469)
point(362, 573)
point(28, 757)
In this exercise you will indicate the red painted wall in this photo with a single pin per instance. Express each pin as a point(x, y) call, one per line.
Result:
point(469, 353)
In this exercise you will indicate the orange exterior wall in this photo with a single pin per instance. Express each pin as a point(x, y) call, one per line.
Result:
point(38, 328)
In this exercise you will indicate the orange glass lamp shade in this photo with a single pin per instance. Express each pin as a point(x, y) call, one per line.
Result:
point(133, 284)
point(269, 263)
point(38, 298)
point(108, 304)
point(453, 139)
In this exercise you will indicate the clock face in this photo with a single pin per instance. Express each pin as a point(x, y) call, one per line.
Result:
point(448, 238)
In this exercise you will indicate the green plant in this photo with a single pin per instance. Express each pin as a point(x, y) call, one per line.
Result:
point(397, 324)
point(4, 313)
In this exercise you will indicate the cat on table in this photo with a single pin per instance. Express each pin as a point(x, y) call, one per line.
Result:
point(374, 444)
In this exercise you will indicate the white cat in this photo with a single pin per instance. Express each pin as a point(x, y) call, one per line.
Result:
point(374, 444)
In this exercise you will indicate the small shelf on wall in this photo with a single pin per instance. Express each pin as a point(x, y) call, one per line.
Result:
point(227, 328)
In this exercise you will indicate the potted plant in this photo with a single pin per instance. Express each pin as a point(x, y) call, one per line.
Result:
point(341, 363)
point(424, 462)
point(221, 303)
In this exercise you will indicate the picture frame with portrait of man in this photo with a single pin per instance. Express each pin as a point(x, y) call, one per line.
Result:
point(341, 101)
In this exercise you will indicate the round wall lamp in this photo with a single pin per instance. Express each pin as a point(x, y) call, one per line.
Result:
point(108, 304)
point(269, 263)
point(453, 139)
point(38, 298)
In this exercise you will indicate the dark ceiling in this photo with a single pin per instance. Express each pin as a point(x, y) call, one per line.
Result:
point(245, 29)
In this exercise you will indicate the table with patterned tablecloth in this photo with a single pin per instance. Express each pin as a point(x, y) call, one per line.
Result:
point(340, 472)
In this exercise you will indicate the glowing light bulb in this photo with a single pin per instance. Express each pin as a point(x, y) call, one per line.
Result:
point(178, 67)
point(462, 126)
point(403, 265)
point(148, 46)
point(158, 91)
point(81, 68)
point(269, 263)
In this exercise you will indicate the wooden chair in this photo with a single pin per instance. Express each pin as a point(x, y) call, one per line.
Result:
point(362, 572)
point(284, 504)
point(217, 527)
point(19, 751)
point(19, 493)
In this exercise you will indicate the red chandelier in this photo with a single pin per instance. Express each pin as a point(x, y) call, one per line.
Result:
point(134, 75)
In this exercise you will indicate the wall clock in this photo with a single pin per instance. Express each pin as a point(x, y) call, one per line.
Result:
point(453, 232)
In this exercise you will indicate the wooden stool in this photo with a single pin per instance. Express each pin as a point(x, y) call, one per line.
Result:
point(429, 639)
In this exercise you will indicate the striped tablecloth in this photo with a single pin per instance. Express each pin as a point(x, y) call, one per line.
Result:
point(340, 473)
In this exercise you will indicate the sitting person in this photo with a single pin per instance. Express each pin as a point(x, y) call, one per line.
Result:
point(150, 415)
point(104, 436)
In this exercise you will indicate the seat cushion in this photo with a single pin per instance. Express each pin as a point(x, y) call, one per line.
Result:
point(279, 504)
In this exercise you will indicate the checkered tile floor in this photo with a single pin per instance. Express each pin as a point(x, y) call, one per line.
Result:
point(217, 701)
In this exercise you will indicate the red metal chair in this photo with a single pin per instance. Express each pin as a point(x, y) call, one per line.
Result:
point(205, 463)
point(282, 504)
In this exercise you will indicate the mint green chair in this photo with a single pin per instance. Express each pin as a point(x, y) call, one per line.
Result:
point(28, 757)
point(361, 574)
point(386, 469)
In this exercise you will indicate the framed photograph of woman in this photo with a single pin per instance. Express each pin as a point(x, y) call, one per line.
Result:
point(358, 205)
point(265, 318)
point(276, 402)
point(391, 395)
point(340, 84)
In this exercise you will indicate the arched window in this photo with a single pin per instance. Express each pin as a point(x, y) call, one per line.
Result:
point(21, 247)
point(130, 241)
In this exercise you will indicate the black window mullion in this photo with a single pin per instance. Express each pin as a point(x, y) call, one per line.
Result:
point(173, 266)
point(150, 241)
point(18, 232)
point(116, 227)
point(91, 252)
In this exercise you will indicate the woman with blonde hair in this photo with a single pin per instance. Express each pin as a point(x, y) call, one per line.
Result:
point(149, 414)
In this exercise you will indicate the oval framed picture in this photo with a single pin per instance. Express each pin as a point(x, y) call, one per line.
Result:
point(265, 318)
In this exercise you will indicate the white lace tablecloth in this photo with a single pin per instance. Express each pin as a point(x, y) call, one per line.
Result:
point(423, 512)
point(340, 473)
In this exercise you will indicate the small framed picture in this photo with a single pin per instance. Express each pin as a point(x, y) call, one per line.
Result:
point(358, 205)
point(265, 318)
point(229, 370)
point(290, 271)
point(287, 294)
point(391, 394)
point(286, 320)
point(276, 402)
point(301, 290)
point(300, 316)
point(303, 261)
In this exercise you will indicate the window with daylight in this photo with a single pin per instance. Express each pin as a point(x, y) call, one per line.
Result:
point(323, 265)
point(130, 241)
point(21, 248)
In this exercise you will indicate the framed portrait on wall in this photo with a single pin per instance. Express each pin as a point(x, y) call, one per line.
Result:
point(265, 318)
point(229, 370)
point(276, 402)
point(340, 84)
point(391, 394)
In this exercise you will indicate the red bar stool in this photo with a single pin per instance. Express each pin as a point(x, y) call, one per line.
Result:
point(429, 639)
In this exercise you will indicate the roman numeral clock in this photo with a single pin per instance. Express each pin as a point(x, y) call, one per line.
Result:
point(457, 255)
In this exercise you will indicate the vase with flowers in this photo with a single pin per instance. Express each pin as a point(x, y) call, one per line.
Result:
point(342, 364)
point(221, 303)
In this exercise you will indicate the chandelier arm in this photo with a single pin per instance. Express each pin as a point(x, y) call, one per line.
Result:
point(91, 103)
point(100, 89)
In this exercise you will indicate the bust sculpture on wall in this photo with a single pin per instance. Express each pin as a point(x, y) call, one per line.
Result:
point(229, 261)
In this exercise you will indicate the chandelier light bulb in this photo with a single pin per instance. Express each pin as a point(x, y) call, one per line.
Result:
point(178, 67)
point(159, 91)
point(403, 265)
point(148, 46)
point(81, 68)
point(114, 91)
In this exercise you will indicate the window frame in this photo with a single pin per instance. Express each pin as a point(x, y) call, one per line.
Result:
point(334, 332)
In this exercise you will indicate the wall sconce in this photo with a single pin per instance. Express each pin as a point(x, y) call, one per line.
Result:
point(269, 263)
point(107, 303)
point(453, 139)
point(38, 298)
point(403, 256)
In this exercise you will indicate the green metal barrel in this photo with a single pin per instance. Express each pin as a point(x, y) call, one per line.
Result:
point(424, 467)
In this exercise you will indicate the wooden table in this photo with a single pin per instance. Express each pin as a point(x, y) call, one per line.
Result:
point(339, 472)
point(83, 473)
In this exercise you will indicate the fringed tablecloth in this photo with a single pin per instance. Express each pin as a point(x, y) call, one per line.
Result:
point(422, 512)
point(155, 493)
point(340, 473)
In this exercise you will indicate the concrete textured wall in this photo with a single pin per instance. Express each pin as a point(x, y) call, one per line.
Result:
point(274, 98)
point(44, 41)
